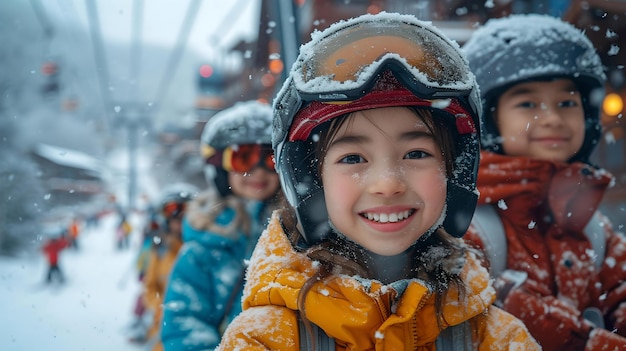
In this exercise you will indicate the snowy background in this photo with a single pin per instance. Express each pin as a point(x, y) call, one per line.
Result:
point(89, 312)
point(93, 309)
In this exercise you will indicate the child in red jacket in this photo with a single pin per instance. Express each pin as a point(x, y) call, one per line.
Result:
point(562, 270)
point(51, 248)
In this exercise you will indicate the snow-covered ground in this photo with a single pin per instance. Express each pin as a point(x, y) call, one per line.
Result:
point(89, 312)
point(93, 309)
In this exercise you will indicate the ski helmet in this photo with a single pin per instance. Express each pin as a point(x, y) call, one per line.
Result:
point(367, 62)
point(174, 198)
point(245, 123)
point(522, 48)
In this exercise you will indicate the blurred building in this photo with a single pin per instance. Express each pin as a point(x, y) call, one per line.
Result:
point(69, 177)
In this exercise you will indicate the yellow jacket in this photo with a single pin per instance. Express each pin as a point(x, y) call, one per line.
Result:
point(156, 279)
point(360, 314)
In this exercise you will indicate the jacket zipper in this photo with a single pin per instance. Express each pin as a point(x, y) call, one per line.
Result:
point(423, 301)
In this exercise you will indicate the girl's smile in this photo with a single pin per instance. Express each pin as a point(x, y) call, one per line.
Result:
point(388, 219)
point(258, 184)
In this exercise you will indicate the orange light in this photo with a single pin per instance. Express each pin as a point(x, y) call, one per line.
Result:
point(612, 104)
point(276, 66)
point(206, 71)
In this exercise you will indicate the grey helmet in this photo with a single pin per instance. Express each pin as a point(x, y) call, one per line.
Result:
point(247, 122)
point(520, 48)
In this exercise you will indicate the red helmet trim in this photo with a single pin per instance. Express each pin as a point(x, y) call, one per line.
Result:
point(317, 112)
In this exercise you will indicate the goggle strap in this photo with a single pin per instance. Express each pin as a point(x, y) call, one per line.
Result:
point(227, 158)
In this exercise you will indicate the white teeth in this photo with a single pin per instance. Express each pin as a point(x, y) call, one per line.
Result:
point(384, 218)
point(387, 217)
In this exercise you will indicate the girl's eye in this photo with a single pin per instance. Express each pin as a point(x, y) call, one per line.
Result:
point(527, 104)
point(416, 154)
point(568, 103)
point(352, 159)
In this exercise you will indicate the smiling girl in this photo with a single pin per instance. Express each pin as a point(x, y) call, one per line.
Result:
point(375, 135)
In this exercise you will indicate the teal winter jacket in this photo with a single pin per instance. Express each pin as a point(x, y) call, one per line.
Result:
point(205, 287)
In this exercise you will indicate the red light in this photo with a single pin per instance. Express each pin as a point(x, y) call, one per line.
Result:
point(206, 71)
point(49, 68)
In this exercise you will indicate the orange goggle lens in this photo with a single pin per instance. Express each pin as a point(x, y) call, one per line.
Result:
point(244, 158)
point(173, 209)
point(352, 56)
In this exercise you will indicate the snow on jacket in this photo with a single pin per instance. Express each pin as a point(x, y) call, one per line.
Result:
point(219, 236)
point(360, 314)
point(162, 258)
point(557, 256)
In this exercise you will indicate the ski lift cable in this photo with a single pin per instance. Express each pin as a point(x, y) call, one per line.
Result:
point(46, 24)
point(71, 15)
point(138, 6)
point(99, 54)
point(48, 30)
point(190, 16)
point(234, 10)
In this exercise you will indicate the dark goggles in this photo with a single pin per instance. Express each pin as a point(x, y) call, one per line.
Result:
point(244, 158)
point(345, 65)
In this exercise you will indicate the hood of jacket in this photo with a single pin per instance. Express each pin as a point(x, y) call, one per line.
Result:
point(571, 192)
point(352, 309)
point(227, 217)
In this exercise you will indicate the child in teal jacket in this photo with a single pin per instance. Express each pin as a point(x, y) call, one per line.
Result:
point(221, 227)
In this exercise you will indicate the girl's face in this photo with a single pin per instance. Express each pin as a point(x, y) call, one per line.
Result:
point(259, 184)
point(175, 227)
point(384, 179)
point(542, 120)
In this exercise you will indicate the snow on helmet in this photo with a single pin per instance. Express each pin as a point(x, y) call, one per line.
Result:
point(521, 48)
point(374, 61)
point(173, 199)
point(245, 123)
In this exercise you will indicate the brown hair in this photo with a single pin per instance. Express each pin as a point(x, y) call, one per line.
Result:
point(340, 255)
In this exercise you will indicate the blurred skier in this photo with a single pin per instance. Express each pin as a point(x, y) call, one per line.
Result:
point(55, 242)
point(122, 233)
point(173, 204)
point(73, 233)
point(141, 321)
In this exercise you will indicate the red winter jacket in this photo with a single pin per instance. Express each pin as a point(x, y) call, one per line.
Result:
point(52, 248)
point(544, 207)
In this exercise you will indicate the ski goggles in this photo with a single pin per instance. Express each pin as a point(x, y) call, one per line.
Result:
point(242, 158)
point(173, 209)
point(345, 65)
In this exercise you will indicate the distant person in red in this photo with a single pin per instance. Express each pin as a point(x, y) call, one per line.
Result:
point(51, 248)
point(74, 231)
